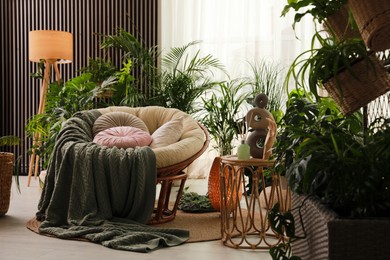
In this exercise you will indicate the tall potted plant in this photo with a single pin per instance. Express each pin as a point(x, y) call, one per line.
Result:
point(339, 175)
point(221, 115)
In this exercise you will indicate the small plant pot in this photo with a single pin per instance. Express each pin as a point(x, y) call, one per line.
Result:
point(6, 169)
point(351, 92)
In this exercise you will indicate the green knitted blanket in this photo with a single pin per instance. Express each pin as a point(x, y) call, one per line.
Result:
point(104, 195)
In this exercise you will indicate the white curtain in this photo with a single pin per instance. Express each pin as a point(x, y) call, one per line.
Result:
point(235, 31)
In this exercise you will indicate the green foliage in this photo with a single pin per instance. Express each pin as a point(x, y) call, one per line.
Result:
point(221, 113)
point(62, 102)
point(283, 224)
point(327, 155)
point(9, 140)
point(267, 78)
point(143, 66)
point(318, 9)
point(193, 202)
point(126, 91)
point(315, 66)
point(99, 69)
point(185, 78)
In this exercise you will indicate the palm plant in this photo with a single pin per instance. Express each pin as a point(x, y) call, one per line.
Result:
point(221, 113)
point(185, 78)
point(139, 66)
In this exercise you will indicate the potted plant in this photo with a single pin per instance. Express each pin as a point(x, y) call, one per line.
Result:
point(221, 116)
point(184, 79)
point(6, 171)
point(351, 74)
point(338, 174)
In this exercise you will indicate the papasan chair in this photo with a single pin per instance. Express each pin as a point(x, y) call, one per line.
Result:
point(93, 175)
point(187, 140)
point(102, 176)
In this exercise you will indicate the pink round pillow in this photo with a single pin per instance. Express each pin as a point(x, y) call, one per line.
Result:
point(123, 137)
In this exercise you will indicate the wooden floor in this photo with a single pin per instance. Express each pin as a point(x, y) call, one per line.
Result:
point(17, 242)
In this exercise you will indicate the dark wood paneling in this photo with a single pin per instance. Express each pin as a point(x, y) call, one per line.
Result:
point(86, 20)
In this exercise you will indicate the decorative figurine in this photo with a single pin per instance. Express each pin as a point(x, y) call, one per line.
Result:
point(263, 126)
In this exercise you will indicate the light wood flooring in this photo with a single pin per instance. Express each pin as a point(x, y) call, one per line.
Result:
point(17, 242)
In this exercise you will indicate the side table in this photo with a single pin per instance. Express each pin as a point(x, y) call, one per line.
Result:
point(244, 217)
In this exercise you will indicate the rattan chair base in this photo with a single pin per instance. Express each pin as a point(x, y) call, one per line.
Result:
point(166, 176)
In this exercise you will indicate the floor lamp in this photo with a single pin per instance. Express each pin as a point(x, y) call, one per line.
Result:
point(52, 47)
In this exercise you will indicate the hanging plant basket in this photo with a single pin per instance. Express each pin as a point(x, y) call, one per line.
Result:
point(6, 169)
point(373, 20)
point(351, 92)
point(341, 25)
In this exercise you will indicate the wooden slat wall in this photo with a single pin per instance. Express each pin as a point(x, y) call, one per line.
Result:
point(86, 20)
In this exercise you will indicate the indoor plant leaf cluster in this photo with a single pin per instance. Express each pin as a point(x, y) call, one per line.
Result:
point(318, 9)
point(327, 155)
point(63, 101)
point(221, 113)
point(326, 59)
point(185, 78)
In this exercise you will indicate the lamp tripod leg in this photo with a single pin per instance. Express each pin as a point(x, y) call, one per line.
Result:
point(34, 160)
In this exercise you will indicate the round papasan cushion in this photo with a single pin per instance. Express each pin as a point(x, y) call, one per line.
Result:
point(190, 142)
point(117, 118)
point(123, 137)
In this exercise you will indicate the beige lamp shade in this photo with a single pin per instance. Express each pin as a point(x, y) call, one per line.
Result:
point(50, 45)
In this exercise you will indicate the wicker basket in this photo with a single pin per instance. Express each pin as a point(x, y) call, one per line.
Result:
point(352, 93)
point(339, 24)
point(214, 186)
point(6, 169)
point(373, 20)
point(330, 237)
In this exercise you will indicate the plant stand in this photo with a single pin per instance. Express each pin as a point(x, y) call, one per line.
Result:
point(335, 238)
point(244, 224)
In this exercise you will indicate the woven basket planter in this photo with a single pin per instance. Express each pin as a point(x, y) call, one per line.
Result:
point(373, 20)
point(6, 169)
point(352, 93)
point(214, 186)
point(339, 23)
point(330, 237)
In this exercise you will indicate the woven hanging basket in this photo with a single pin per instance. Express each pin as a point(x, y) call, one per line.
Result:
point(373, 20)
point(6, 169)
point(214, 191)
point(352, 93)
point(339, 23)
